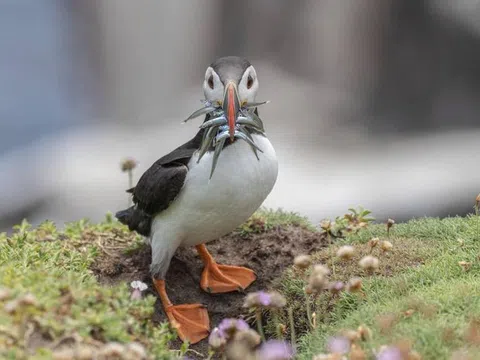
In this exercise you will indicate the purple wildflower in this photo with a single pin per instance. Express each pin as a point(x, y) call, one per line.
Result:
point(390, 353)
point(228, 327)
point(275, 350)
point(338, 345)
point(217, 339)
point(137, 287)
point(264, 298)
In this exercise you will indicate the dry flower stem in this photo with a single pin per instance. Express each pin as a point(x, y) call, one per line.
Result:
point(258, 315)
point(292, 328)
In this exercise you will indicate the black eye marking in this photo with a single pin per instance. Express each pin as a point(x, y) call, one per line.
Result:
point(249, 82)
point(210, 82)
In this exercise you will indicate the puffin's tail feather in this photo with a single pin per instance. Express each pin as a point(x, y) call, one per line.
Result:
point(135, 219)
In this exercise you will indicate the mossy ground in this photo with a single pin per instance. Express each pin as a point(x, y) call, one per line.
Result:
point(420, 293)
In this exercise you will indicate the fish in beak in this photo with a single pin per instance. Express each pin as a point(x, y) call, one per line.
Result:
point(231, 107)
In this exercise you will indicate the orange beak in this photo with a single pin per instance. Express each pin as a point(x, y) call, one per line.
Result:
point(231, 107)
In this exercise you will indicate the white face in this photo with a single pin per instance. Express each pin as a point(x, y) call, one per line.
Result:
point(214, 89)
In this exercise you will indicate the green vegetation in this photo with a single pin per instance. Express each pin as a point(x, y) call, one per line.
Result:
point(424, 292)
point(50, 298)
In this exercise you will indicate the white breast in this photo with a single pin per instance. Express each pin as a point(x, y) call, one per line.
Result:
point(207, 209)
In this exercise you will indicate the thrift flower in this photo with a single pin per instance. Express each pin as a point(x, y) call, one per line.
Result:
point(354, 284)
point(346, 252)
point(390, 353)
point(386, 246)
point(138, 287)
point(275, 350)
point(216, 340)
point(302, 261)
point(338, 345)
point(128, 164)
point(262, 299)
point(369, 263)
point(229, 327)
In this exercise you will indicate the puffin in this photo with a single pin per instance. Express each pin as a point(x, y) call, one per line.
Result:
point(205, 189)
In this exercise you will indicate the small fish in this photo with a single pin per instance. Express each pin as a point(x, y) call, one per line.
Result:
point(217, 130)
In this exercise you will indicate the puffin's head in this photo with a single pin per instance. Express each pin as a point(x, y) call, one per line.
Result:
point(230, 82)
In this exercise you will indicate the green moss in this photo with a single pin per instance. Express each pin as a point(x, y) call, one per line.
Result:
point(54, 266)
point(268, 219)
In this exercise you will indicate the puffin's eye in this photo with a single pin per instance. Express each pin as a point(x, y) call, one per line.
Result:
point(249, 82)
point(210, 82)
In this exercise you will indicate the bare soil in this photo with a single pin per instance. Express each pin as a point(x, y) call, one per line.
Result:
point(268, 253)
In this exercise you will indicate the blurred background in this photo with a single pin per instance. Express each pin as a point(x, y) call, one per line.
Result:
point(373, 102)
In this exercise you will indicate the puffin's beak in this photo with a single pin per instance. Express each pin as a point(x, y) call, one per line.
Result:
point(231, 107)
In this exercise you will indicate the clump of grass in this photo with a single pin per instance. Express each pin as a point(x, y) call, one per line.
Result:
point(267, 219)
point(50, 298)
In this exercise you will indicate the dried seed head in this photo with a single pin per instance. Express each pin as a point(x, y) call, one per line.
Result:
point(477, 200)
point(390, 223)
point(216, 340)
point(277, 300)
point(346, 252)
point(466, 265)
point(386, 246)
point(321, 269)
point(128, 164)
point(373, 242)
point(326, 225)
point(317, 282)
point(302, 261)
point(354, 284)
point(369, 263)
point(364, 332)
point(357, 353)
point(5, 294)
point(351, 335)
point(308, 290)
point(250, 337)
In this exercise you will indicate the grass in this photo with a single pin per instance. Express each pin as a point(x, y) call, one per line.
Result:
point(420, 293)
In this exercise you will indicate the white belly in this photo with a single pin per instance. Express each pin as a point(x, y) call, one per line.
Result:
point(207, 209)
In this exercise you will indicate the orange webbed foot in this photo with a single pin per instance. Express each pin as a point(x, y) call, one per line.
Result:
point(190, 321)
point(224, 278)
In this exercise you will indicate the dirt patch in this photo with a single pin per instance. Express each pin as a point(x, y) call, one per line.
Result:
point(267, 253)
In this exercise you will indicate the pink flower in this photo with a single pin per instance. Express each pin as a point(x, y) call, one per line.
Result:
point(275, 350)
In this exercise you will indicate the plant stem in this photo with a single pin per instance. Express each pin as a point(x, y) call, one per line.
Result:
point(130, 184)
point(276, 321)
point(309, 313)
point(259, 324)
point(292, 328)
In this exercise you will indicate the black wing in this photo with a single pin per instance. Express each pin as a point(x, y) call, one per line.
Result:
point(162, 182)
point(159, 186)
